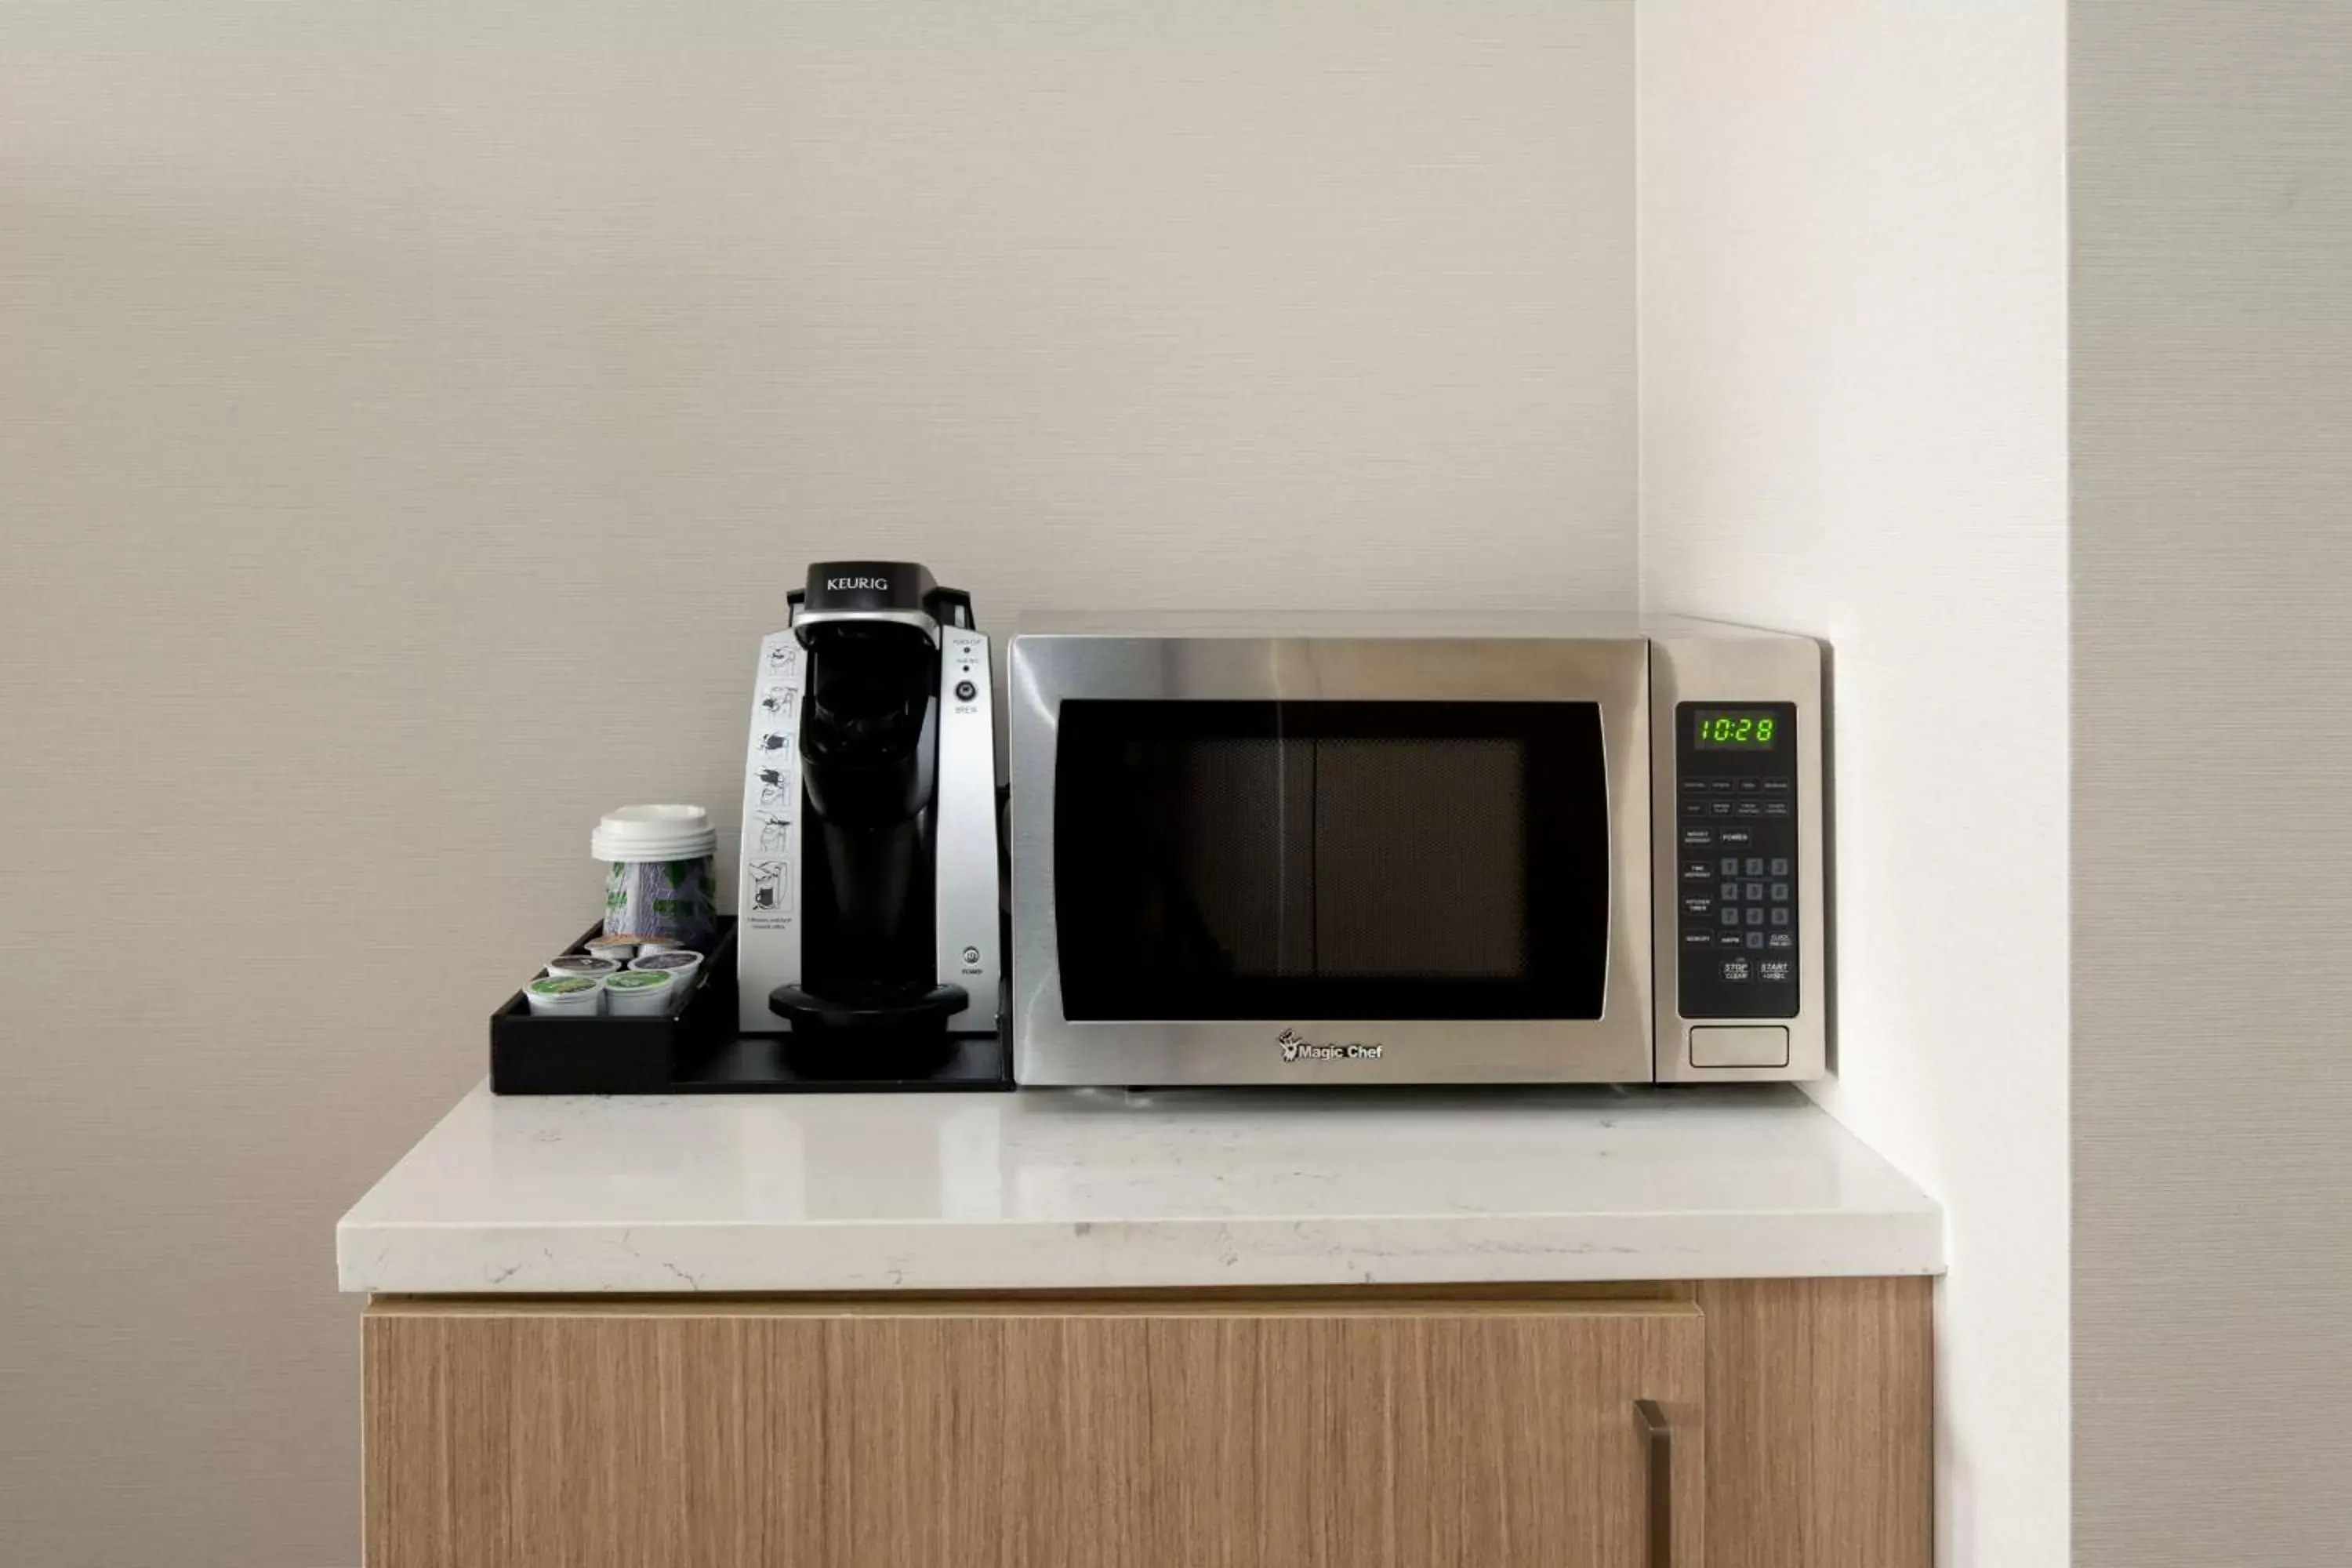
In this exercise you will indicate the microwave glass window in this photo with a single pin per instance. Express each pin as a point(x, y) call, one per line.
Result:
point(1331, 861)
point(1737, 730)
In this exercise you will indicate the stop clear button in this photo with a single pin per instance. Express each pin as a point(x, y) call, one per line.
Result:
point(1738, 1045)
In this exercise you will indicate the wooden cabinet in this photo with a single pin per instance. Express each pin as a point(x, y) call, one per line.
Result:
point(1492, 1430)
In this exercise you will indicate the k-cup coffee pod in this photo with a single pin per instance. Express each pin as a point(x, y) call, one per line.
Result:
point(660, 879)
point(583, 966)
point(566, 996)
point(639, 992)
point(676, 961)
point(619, 949)
point(651, 944)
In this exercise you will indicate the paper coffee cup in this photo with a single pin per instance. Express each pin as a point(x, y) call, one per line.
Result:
point(661, 879)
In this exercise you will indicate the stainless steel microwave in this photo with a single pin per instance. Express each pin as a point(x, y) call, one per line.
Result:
point(1242, 857)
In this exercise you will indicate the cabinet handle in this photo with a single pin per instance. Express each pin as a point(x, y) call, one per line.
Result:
point(1658, 1453)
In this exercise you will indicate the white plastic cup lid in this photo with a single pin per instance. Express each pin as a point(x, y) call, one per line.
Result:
point(670, 961)
point(581, 964)
point(654, 833)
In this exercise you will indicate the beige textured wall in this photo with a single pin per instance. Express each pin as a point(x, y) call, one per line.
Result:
point(393, 394)
point(2212, 438)
point(1853, 391)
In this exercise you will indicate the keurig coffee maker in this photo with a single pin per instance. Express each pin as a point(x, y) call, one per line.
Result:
point(868, 912)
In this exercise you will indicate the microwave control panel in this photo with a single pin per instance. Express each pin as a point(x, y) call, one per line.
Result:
point(1736, 858)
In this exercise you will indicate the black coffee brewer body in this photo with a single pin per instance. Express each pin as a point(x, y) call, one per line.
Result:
point(870, 887)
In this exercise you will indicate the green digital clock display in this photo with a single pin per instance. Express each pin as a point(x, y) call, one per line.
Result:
point(1737, 730)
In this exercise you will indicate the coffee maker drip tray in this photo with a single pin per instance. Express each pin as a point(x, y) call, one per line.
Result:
point(869, 1009)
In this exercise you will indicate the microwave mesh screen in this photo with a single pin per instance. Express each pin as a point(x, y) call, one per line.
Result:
point(1330, 859)
point(1448, 898)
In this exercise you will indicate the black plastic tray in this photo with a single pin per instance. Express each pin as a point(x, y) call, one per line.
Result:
point(699, 1050)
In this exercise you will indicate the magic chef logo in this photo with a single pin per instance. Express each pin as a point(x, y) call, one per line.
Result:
point(850, 584)
point(1295, 1049)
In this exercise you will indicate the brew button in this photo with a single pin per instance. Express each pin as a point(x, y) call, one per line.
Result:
point(1755, 917)
point(1755, 892)
point(1734, 970)
point(1779, 868)
point(1729, 864)
point(1756, 939)
point(1781, 916)
point(1731, 916)
point(1731, 892)
point(1781, 938)
point(1779, 892)
point(1755, 866)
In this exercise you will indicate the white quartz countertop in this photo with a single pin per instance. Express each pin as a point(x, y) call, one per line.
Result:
point(1067, 1189)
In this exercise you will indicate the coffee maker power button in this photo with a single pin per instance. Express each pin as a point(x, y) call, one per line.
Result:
point(971, 955)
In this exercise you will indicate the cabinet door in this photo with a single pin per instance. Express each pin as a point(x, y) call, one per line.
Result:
point(1019, 1435)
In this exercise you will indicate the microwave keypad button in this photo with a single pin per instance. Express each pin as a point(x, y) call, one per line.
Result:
point(1731, 916)
point(1735, 838)
point(1731, 892)
point(1729, 864)
point(1781, 939)
point(1780, 865)
point(1733, 970)
point(1732, 939)
point(1758, 807)
point(1749, 786)
point(1773, 970)
point(1698, 838)
point(1697, 906)
point(1755, 917)
point(1698, 936)
point(1698, 872)
point(1693, 786)
point(1781, 917)
point(1773, 807)
point(1755, 868)
point(1756, 939)
point(1755, 892)
point(1779, 892)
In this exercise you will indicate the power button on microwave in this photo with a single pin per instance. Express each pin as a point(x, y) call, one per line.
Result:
point(1738, 1045)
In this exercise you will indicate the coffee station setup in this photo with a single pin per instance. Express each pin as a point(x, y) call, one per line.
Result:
point(1376, 1044)
point(1226, 854)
